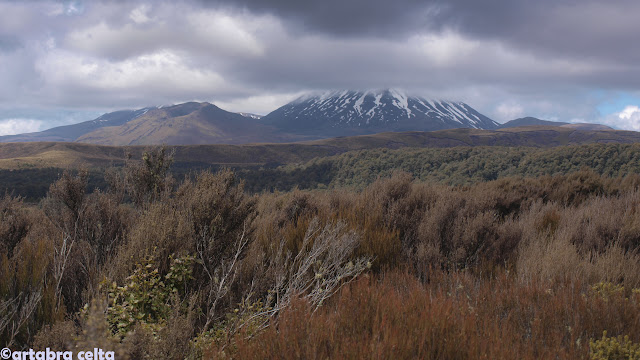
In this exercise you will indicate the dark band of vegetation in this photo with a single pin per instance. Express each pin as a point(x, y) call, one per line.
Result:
point(451, 166)
point(357, 169)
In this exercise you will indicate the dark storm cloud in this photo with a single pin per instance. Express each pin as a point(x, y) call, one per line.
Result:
point(585, 28)
point(9, 43)
point(603, 30)
point(344, 18)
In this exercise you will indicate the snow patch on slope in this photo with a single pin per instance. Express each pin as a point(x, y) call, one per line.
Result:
point(400, 101)
point(357, 106)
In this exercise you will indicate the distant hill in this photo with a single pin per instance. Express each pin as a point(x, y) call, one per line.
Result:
point(72, 132)
point(48, 154)
point(529, 121)
point(184, 124)
point(587, 126)
point(187, 123)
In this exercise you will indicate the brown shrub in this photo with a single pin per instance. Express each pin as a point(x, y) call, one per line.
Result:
point(28, 300)
point(219, 212)
point(560, 234)
point(209, 218)
point(148, 179)
point(368, 214)
point(14, 223)
point(558, 260)
point(576, 187)
point(171, 341)
point(105, 224)
point(59, 336)
point(65, 200)
point(402, 203)
point(162, 230)
point(85, 231)
point(206, 216)
point(454, 316)
point(94, 333)
point(361, 323)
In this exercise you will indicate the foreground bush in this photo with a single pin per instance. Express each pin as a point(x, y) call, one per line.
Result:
point(610, 348)
point(453, 316)
point(513, 268)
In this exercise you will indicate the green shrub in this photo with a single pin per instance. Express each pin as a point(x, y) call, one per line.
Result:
point(147, 297)
point(614, 348)
point(607, 289)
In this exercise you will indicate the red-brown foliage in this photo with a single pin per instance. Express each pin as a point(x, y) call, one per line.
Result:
point(452, 316)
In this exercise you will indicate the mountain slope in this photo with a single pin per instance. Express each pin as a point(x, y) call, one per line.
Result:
point(531, 121)
point(184, 124)
point(191, 123)
point(72, 132)
point(588, 126)
point(343, 113)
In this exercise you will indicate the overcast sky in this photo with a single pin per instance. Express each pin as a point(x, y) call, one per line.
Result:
point(63, 62)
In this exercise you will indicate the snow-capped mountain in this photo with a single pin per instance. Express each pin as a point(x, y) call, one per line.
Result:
point(359, 112)
point(331, 114)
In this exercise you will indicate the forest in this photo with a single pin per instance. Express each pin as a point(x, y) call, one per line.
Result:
point(460, 253)
point(457, 166)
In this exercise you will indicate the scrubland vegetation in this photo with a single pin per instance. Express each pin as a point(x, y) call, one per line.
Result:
point(355, 169)
point(157, 267)
point(451, 166)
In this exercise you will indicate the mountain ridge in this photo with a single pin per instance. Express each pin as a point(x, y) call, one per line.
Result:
point(309, 117)
point(72, 132)
point(187, 123)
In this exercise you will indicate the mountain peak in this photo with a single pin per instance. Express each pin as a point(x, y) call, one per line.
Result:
point(368, 111)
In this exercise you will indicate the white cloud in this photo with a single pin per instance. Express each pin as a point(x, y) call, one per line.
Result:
point(261, 104)
point(630, 112)
point(508, 111)
point(19, 126)
point(445, 50)
point(627, 119)
point(145, 79)
point(140, 15)
point(53, 9)
point(222, 32)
